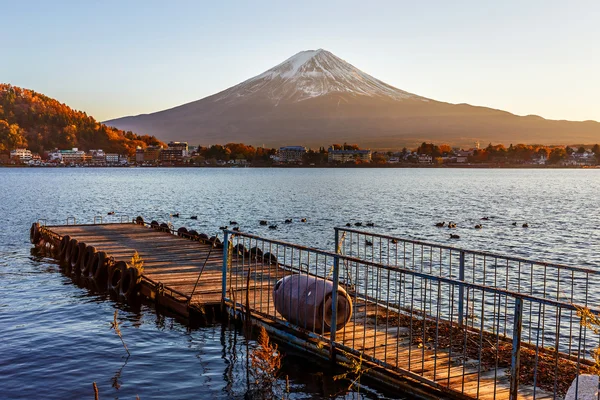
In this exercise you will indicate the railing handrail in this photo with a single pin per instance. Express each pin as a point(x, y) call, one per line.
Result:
point(475, 252)
point(424, 275)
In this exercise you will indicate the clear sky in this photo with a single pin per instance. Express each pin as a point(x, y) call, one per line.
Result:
point(116, 58)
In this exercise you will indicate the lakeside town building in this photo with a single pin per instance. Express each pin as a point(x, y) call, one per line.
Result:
point(343, 156)
point(291, 154)
point(23, 155)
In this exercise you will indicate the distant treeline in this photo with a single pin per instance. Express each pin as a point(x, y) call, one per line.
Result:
point(32, 120)
point(512, 154)
point(240, 151)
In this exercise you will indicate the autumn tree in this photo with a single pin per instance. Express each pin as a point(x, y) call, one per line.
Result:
point(45, 123)
point(11, 136)
point(557, 155)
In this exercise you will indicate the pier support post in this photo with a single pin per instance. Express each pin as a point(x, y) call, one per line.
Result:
point(516, 349)
point(461, 290)
point(334, 303)
point(225, 263)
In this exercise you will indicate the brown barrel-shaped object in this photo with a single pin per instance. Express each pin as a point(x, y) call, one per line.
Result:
point(306, 301)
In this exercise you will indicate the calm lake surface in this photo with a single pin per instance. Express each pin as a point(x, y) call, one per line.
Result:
point(56, 337)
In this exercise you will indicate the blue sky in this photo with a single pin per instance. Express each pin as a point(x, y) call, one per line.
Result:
point(115, 58)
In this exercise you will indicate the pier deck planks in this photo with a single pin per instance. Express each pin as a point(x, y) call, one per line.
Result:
point(177, 262)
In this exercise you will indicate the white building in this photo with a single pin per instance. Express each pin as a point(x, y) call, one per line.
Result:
point(24, 155)
point(425, 159)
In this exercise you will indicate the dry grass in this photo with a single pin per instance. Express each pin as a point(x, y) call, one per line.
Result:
point(115, 325)
point(265, 362)
point(138, 263)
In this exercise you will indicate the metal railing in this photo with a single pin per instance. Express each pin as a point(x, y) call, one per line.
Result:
point(538, 279)
point(455, 331)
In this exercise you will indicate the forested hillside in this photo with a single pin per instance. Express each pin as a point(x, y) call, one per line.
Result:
point(32, 120)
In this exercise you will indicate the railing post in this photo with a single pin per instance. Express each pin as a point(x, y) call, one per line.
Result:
point(461, 289)
point(516, 349)
point(337, 240)
point(225, 264)
point(334, 305)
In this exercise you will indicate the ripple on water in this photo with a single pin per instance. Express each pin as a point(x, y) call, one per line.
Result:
point(55, 335)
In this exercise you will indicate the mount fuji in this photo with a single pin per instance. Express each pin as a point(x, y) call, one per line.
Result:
point(314, 98)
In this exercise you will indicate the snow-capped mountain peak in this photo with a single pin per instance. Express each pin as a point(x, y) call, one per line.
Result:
point(309, 74)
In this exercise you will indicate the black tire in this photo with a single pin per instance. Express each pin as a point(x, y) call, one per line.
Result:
point(139, 220)
point(71, 250)
point(32, 233)
point(240, 250)
point(115, 275)
point(129, 283)
point(182, 232)
point(100, 268)
point(77, 257)
point(86, 261)
point(203, 237)
point(216, 242)
point(37, 236)
point(165, 227)
point(256, 252)
point(269, 258)
point(154, 225)
point(64, 245)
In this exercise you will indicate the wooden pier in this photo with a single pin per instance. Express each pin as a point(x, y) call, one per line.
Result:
point(186, 275)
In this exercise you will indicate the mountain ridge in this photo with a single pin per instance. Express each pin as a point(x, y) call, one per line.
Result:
point(315, 98)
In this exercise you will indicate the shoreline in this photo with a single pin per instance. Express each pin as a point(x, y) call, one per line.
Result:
point(360, 166)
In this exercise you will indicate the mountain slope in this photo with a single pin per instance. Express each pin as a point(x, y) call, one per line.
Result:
point(30, 119)
point(315, 98)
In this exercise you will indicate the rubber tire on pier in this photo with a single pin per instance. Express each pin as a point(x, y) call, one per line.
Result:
point(100, 269)
point(193, 234)
point(154, 224)
point(115, 275)
point(34, 233)
point(216, 242)
point(165, 227)
point(139, 220)
point(71, 253)
point(129, 283)
point(182, 232)
point(86, 261)
point(240, 250)
point(77, 259)
point(64, 245)
point(203, 237)
point(256, 252)
point(269, 258)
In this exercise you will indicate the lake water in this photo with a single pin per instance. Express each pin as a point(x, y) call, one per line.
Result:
point(56, 337)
